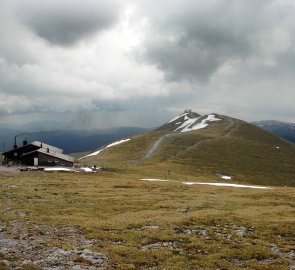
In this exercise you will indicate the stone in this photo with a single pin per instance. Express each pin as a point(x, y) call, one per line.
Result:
point(241, 231)
point(37, 249)
point(202, 232)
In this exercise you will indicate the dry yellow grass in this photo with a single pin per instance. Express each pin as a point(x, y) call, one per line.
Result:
point(150, 225)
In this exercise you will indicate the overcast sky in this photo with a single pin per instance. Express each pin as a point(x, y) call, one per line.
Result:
point(110, 63)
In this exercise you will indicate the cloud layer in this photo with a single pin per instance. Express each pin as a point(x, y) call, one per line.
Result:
point(65, 22)
point(193, 39)
point(230, 57)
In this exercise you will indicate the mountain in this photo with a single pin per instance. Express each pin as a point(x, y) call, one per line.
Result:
point(69, 140)
point(282, 129)
point(207, 147)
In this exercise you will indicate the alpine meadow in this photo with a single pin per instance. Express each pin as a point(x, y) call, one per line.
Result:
point(199, 192)
point(147, 135)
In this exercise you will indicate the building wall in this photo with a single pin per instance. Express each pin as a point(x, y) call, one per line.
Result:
point(16, 154)
point(29, 160)
point(45, 160)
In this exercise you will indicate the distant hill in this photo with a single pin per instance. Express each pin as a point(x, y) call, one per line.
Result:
point(69, 140)
point(282, 129)
point(205, 147)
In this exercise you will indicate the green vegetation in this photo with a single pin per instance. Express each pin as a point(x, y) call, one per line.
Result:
point(236, 148)
point(168, 225)
point(149, 225)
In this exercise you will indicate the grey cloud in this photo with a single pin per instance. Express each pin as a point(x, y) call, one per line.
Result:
point(194, 38)
point(233, 57)
point(182, 61)
point(64, 22)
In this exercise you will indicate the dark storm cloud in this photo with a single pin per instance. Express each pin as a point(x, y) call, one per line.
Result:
point(192, 39)
point(64, 22)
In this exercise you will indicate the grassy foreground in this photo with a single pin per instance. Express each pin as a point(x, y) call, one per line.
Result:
point(149, 225)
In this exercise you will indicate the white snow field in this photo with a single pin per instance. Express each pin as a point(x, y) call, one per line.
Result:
point(110, 145)
point(72, 169)
point(59, 169)
point(175, 118)
point(86, 169)
point(225, 185)
point(190, 124)
point(157, 180)
point(226, 177)
point(206, 183)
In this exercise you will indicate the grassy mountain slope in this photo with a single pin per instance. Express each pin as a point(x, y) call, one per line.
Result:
point(233, 147)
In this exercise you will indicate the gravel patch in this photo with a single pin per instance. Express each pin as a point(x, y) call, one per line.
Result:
point(24, 245)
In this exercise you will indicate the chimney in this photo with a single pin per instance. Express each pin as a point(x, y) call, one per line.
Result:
point(15, 145)
point(25, 142)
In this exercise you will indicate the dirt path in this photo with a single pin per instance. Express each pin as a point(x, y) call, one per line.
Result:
point(230, 126)
point(156, 145)
point(227, 129)
point(191, 147)
point(151, 151)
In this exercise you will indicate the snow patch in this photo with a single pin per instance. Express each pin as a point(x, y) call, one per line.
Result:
point(59, 169)
point(92, 154)
point(63, 169)
point(226, 177)
point(110, 145)
point(116, 143)
point(207, 183)
point(86, 169)
point(225, 185)
point(186, 124)
point(177, 117)
point(190, 123)
point(156, 180)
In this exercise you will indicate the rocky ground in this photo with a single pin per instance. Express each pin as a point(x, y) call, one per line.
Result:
point(25, 246)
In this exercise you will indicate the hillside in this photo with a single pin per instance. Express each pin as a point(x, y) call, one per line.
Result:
point(282, 129)
point(204, 148)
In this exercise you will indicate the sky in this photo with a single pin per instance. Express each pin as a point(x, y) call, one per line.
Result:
point(99, 64)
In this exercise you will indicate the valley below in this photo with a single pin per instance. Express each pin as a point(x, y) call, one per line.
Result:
point(114, 220)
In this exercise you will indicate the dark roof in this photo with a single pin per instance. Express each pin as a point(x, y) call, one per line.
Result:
point(37, 144)
point(44, 145)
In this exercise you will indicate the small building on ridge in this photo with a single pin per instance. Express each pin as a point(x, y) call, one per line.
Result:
point(37, 154)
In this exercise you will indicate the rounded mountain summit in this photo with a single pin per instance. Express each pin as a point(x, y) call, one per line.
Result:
point(203, 147)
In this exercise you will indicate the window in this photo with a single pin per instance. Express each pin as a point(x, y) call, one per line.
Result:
point(62, 164)
point(56, 160)
point(49, 160)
